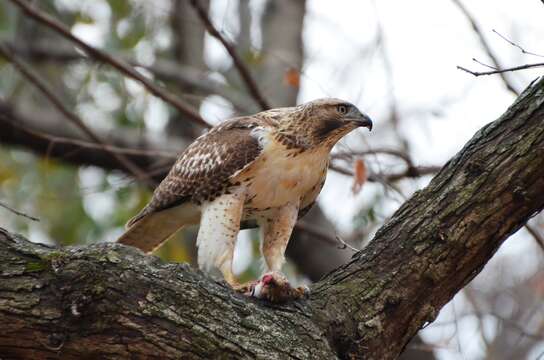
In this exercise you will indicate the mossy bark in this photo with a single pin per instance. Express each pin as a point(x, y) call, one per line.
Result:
point(108, 301)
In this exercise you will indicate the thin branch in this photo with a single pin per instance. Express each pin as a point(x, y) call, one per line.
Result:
point(516, 45)
point(484, 64)
point(104, 57)
point(46, 135)
point(238, 63)
point(393, 152)
point(515, 68)
point(36, 80)
point(19, 213)
point(414, 172)
point(163, 69)
point(93, 145)
point(486, 47)
point(344, 245)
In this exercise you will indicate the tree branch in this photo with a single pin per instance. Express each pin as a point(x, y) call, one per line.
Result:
point(523, 51)
point(487, 48)
point(104, 57)
point(164, 69)
point(18, 213)
point(107, 300)
point(50, 137)
point(238, 63)
point(39, 83)
point(491, 72)
point(409, 173)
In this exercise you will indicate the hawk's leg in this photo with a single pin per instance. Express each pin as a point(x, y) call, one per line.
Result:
point(276, 231)
point(219, 226)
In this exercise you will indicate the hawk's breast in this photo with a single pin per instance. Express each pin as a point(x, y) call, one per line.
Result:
point(281, 175)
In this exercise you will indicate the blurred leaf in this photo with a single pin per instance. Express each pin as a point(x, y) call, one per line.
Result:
point(360, 175)
point(120, 8)
point(292, 78)
point(136, 33)
point(84, 19)
point(5, 23)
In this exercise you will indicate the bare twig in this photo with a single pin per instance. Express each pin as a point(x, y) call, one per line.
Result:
point(344, 245)
point(484, 64)
point(393, 152)
point(516, 45)
point(36, 80)
point(104, 57)
point(414, 172)
point(515, 68)
point(16, 212)
point(238, 63)
point(486, 47)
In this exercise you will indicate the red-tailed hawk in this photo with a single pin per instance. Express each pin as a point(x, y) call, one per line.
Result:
point(267, 169)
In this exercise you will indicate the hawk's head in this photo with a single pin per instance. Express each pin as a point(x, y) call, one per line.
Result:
point(323, 121)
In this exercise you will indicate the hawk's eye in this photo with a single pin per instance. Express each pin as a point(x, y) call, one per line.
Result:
point(342, 109)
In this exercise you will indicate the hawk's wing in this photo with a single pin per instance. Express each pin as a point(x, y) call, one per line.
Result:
point(201, 173)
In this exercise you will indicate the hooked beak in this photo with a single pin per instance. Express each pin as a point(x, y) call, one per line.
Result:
point(364, 121)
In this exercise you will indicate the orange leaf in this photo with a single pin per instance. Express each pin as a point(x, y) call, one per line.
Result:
point(359, 177)
point(292, 78)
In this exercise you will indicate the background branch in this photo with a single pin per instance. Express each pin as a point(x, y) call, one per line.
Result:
point(487, 48)
point(104, 57)
point(238, 63)
point(40, 135)
point(35, 79)
point(165, 70)
point(491, 72)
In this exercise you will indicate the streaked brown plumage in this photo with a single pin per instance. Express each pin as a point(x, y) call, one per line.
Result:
point(266, 169)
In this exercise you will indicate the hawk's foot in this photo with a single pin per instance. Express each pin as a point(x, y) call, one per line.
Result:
point(242, 288)
point(274, 287)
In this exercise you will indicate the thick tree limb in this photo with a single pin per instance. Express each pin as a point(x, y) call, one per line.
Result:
point(109, 301)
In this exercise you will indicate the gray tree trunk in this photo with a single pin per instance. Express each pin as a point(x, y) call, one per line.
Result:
point(109, 301)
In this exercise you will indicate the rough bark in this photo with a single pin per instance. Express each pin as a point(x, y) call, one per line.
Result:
point(109, 301)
